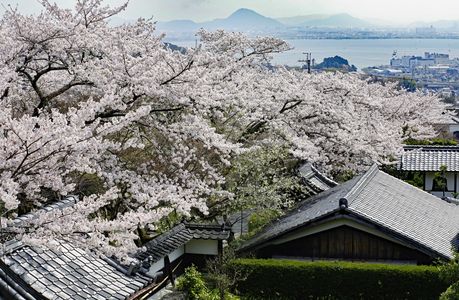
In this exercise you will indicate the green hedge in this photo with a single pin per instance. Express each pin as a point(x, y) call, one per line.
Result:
point(284, 279)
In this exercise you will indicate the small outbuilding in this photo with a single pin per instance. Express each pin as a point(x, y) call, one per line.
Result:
point(429, 161)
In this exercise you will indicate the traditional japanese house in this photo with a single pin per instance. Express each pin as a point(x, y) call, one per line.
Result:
point(428, 161)
point(69, 272)
point(374, 217)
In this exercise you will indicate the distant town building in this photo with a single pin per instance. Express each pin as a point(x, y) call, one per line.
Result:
point(426, 31)
point(432, 72)
point(419, 61)
point(429, 59)
point(439, 58)
point(403, 62)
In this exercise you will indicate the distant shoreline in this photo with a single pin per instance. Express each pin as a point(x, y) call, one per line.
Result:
point(169, 38)
point(369, 38)
point(358, 51)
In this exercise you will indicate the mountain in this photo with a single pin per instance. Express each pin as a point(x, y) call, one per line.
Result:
point(339, 20)
point(297, 20)
point(241, 20)
point(336, 63)
point(244, 19)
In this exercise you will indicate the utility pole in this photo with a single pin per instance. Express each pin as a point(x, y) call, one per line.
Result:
point(307, 60)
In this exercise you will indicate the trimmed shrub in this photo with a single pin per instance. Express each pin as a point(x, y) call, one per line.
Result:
point(284, 279)
point(193, 284)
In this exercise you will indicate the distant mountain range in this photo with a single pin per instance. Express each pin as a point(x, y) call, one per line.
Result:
point(249, 20)
point(339, 20)
point(242, 19)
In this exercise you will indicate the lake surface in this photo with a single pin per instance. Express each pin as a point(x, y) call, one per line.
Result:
point(361, 53)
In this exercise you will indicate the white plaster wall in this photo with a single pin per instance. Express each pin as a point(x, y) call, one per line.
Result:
point(453, 128)
point(157, 266)
point(205, 247)
point(177, 254)
point(429, 181)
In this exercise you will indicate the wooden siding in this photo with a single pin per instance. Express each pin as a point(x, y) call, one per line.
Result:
point(345, 243)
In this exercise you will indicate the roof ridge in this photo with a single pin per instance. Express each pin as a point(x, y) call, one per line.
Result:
point(8, 233)
point(160, 238)
point(205, 226)
point(359, 185)
point(430, 147)
point(68, 201)
point(323, 177)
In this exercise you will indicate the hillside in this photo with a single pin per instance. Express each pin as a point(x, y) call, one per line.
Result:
point(242, 20)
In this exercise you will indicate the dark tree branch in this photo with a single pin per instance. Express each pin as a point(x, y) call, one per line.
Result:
point(186, 68)
point(290, 104)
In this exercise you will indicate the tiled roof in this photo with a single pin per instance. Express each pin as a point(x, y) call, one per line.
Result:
point(6, 234)
point(305, 212)
point(178, 236)
point(401, 209)
point(314, 181)
point(61, 204)
point(430, 158)
point(68, 273)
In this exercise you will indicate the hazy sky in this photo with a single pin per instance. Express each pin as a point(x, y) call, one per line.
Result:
point(398, 11)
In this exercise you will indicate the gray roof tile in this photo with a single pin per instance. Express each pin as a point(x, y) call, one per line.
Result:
point(178, 236)
point(314, 181)
point(72, 273)
point(61, 277)
point(430, 158)
point(382, 199)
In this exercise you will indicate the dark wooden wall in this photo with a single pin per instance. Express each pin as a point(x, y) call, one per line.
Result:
point(347, 243)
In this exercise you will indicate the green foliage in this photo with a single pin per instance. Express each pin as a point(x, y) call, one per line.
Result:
point(265, 178)
point(414, 178)
point(450, 273)
point(169, 221)
point(284, 279)
point(193, 284)
point(431, 142)
point(260, 219)
point(408, 84)
point(221, 274)
point(336, 63)
point(88, 184)
point(343, 176)
point(196, 288)
point(439, 180)
point(452, 293)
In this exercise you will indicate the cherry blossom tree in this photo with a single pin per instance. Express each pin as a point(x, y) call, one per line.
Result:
point(159, 127)
point(81, 97)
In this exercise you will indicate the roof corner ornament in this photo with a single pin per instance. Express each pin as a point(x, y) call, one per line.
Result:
point(343, 204)
point(133, 268)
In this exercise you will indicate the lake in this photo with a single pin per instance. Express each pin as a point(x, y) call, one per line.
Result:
point(362, 53)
